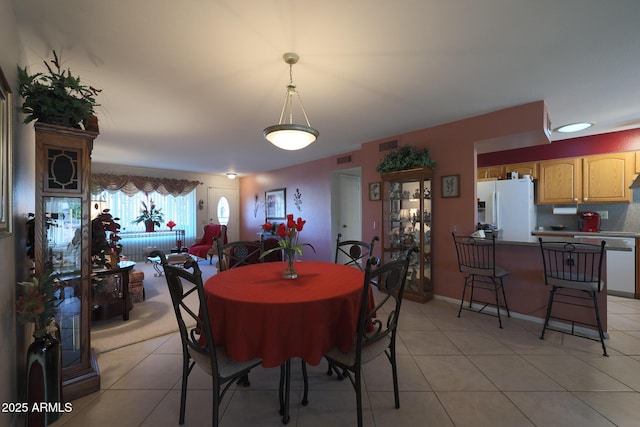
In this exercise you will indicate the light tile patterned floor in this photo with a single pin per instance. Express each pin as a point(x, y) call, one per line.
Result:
point(453, 372)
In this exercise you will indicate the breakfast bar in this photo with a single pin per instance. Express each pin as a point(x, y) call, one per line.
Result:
point(524, 286)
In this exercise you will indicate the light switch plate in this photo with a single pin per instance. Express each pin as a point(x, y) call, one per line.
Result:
point(603, 214)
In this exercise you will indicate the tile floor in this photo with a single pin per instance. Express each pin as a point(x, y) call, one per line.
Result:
point(453, 372)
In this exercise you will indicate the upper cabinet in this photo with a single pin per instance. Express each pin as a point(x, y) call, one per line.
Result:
point(592, 179)
point(529, 168)
point(560, 181)
point(606, 178)
point(491, 173)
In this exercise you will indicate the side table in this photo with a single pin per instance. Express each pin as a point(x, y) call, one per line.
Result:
point(116, 301)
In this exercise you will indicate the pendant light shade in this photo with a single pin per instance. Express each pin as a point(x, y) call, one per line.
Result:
point(287, 134)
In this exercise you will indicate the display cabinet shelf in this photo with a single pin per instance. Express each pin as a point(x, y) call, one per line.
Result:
point(406, 223)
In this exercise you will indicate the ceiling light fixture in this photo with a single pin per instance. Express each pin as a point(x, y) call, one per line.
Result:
point(231, 175)
point(573, 127)
point(291, 136)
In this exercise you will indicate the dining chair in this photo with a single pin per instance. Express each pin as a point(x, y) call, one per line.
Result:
point(477, 260)
point(197, 341)
point(238, 253)
point(574, 272)
point(354, 252)
point(377, 326)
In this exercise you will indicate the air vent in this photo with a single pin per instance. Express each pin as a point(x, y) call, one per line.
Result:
point(389, 145)
point(344, 159)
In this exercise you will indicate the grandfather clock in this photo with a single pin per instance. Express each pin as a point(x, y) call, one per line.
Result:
point(62, 244)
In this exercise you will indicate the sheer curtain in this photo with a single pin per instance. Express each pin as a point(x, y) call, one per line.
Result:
point(179, 209)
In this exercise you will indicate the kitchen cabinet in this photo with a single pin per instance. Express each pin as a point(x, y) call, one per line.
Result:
point(559, 181)
point(637, 162)
point(591, 179)
point(530, 168)
point(62, 245)
point(406, 222)
point(491, 173)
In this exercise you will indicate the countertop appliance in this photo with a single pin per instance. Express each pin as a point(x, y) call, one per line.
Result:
point(589, 221)
point(509, 205)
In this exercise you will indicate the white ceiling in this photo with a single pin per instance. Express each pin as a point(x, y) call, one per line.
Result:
point(190, 84)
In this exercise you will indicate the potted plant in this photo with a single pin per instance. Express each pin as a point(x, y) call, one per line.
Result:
point(403, 158)
point(105, 251)
point(150, 215)
point(57, 97)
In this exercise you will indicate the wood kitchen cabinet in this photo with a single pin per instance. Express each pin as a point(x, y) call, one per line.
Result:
point(529, 168)
point(592, 179)
point(491, 173)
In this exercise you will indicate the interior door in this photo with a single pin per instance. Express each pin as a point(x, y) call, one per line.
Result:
point(348, 219)
point(225, 213)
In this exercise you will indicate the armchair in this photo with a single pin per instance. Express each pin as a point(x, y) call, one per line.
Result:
point(204, 247)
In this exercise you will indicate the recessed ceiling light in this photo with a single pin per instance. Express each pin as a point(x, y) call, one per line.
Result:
point(231, 175)
point(573, 127)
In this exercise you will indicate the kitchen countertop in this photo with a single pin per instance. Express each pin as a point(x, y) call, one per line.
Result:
point(632, 234)
point(592, 238)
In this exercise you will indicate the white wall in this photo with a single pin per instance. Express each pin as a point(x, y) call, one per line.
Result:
point(13, 261)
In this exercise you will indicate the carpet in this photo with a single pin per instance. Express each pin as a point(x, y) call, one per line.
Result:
point(151, 318)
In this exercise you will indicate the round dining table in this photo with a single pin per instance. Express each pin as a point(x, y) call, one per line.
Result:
point(255, 312)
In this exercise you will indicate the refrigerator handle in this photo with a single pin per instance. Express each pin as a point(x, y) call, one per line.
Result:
point(496, 210)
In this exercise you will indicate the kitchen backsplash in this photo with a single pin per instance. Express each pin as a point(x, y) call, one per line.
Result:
point(622, 216)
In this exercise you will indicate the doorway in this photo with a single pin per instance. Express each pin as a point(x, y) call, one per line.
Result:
point(224, 208)
point(346, 205)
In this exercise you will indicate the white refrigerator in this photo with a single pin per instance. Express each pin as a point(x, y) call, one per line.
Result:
point(510, 206)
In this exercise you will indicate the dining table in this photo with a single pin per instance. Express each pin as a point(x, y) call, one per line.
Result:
point(256, 313)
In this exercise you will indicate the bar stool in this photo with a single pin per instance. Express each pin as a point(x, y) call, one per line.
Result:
point(476, 258)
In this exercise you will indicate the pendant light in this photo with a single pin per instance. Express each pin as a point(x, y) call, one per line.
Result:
point(287, 134)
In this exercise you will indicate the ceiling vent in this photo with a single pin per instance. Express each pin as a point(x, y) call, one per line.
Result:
point(389, 145)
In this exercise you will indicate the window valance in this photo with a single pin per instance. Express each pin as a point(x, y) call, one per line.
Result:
point(130, 184)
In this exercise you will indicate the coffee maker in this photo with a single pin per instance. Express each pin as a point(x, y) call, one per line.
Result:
point(589, 221)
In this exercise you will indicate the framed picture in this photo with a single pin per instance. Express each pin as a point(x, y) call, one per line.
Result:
point(451, 186)
point(374, 191)
point(6, 189)
point(275, 204)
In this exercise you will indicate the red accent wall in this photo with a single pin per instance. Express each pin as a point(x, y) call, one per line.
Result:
point(628, 140)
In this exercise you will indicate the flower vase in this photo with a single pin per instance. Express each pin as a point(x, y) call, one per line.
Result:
point(149, 226)
point(44, 385)
point(289, 272)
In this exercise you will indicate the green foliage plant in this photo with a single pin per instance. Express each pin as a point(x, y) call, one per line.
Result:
point(403, 158)
point(56, 97)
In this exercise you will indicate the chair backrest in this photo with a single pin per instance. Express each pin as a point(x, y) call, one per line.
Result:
point(354, 252)
point(271, 243)
point(238, 253)
point(378, 324)
point(211, 231)
point(196, 340)
point(573, 265)
point(476, 255)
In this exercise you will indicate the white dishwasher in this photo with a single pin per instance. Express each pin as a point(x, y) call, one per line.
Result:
point(621, 268)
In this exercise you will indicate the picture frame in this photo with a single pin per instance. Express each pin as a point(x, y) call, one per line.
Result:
point(451, 186)
point(275, 204)
point(6, 187)
point(374, 190)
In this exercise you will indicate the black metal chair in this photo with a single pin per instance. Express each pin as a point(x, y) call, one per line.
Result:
point(573, 270)
point(354, 252)
point(476, 259)
point(238, 253)
point(377, 326)
point(197, 341)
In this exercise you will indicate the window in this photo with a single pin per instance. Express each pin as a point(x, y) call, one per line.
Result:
point(180, 209)
point(223, 210)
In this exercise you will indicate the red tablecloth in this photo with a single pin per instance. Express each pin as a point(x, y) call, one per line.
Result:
point(257, 313)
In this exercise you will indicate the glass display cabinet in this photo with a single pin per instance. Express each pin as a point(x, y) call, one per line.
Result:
point(62, 245)
point(406, 222)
